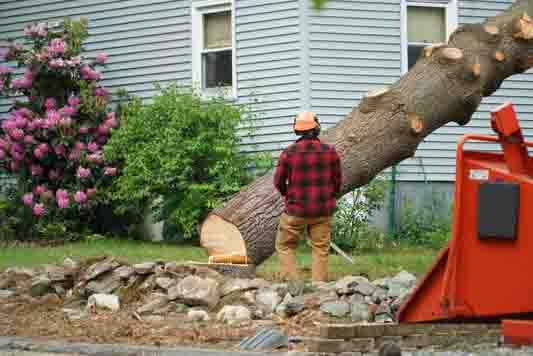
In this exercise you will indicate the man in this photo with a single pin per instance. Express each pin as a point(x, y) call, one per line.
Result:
point(309, 177)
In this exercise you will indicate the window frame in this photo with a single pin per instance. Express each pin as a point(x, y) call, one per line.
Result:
point(198, 10)
point(452, 20)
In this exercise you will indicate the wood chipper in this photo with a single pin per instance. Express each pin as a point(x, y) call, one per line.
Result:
point(486, 271)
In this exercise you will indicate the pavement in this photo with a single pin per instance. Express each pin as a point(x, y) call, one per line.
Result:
point(21, 346)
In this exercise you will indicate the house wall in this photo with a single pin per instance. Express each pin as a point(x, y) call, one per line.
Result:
point(289, 57)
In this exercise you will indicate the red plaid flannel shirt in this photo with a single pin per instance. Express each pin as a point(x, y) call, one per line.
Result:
point(309, 176)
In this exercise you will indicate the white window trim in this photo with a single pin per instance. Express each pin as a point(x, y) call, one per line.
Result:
point(452, 21)
point(198, 9)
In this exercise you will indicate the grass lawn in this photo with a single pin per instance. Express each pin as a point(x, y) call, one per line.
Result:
point(373, 264)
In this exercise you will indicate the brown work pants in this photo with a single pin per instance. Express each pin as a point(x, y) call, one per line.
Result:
point(291, 229)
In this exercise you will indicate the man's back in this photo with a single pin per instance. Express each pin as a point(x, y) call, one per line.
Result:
point(309, 176)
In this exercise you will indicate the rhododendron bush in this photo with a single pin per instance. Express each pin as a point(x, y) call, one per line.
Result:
point(53, 136)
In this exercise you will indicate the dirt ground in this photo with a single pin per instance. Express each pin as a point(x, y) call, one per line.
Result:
point(44, 319)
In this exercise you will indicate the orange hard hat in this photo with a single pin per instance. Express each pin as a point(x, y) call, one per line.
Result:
point(305, 121)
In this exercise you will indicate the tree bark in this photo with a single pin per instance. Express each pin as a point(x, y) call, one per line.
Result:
point(446, 85)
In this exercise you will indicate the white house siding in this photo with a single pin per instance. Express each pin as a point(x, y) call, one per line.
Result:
point(354, 46)
point(148, 42)
point(269, 65)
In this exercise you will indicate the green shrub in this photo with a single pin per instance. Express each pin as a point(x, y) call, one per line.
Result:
point(428, 225)
point(351, 221)
point(180, 156)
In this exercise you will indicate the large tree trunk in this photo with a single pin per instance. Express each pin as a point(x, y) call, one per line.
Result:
point(446, 84)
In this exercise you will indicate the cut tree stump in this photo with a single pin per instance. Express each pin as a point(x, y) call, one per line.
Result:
point(445, 85)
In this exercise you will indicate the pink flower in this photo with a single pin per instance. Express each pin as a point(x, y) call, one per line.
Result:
point(83, 130)
point(4, 144)
point(68, 111)
point(23, 112)
point(101, 58)
point(42, 29)
point(59, 150)
point(14, 166)
point(74, 155)
point(9, 124)
point(65, 122)
point(36, 170)
point(83, 173)
point(63, 203)
point(27, 199)
point(38, 210)
point(57, 63)
point(38, 154)
point(80, 197)
point(103, 129)
point(40, 189)
point(52, 118)
point(16, 134)
point(111, 121)
point(61, 194)
point(57, 47)
point(17, 155)
point(95, 158)
point(38, 123)
point(79, 146)
point(91, 193)
point(21, 122)
point(74, 101)
point(6, 70)
point(93, 147)
point(50, 104)
point(28, 139)
point(75, 61)
point(87, 73)
point(3, 54)
point(110, 171)
point(44, 147)
point(101, 92)
point(2, 155)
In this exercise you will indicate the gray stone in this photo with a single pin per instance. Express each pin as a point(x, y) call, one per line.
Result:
point(70, 264)
point(355, 284)
point(56, 273)
point(165, 282)
point(231, 314)
point(40, 285)
point(336, 308)
point(400, 284)
point(240, 285)
point(198, 315)
point(402, 298)
point(20, 272)
point(5, 293)
point(124, 272)
point(360, 312)
point(382, 283)
point(100, 268)
point(325, 287)
point(249, 297)
point(144, 268)
point(155, 301)
point(106, 284)
point(267, 299)
point(281, 288)
point(181, 308)
point(194, 291)
point(384, 318)
point(74, 314)
point(148, 284)
point(103, 301)
point(154, 318)
point(379, 295)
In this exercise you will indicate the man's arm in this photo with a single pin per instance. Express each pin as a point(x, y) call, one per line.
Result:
point(281, 174)
point(337, 174)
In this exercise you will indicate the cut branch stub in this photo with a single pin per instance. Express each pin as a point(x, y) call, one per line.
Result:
point(499, 56)
point(428, 51)
point(452, 54)
point(492, 30)
point(523, 28)
point(370, 101)
point(417, 126)
point(476, 70)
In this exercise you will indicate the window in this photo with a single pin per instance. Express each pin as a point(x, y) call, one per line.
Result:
point(425, 23)
point(213, 47)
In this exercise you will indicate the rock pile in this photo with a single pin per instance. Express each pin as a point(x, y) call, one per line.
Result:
point(158, 288)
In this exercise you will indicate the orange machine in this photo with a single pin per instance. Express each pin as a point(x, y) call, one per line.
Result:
point(484, 272)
